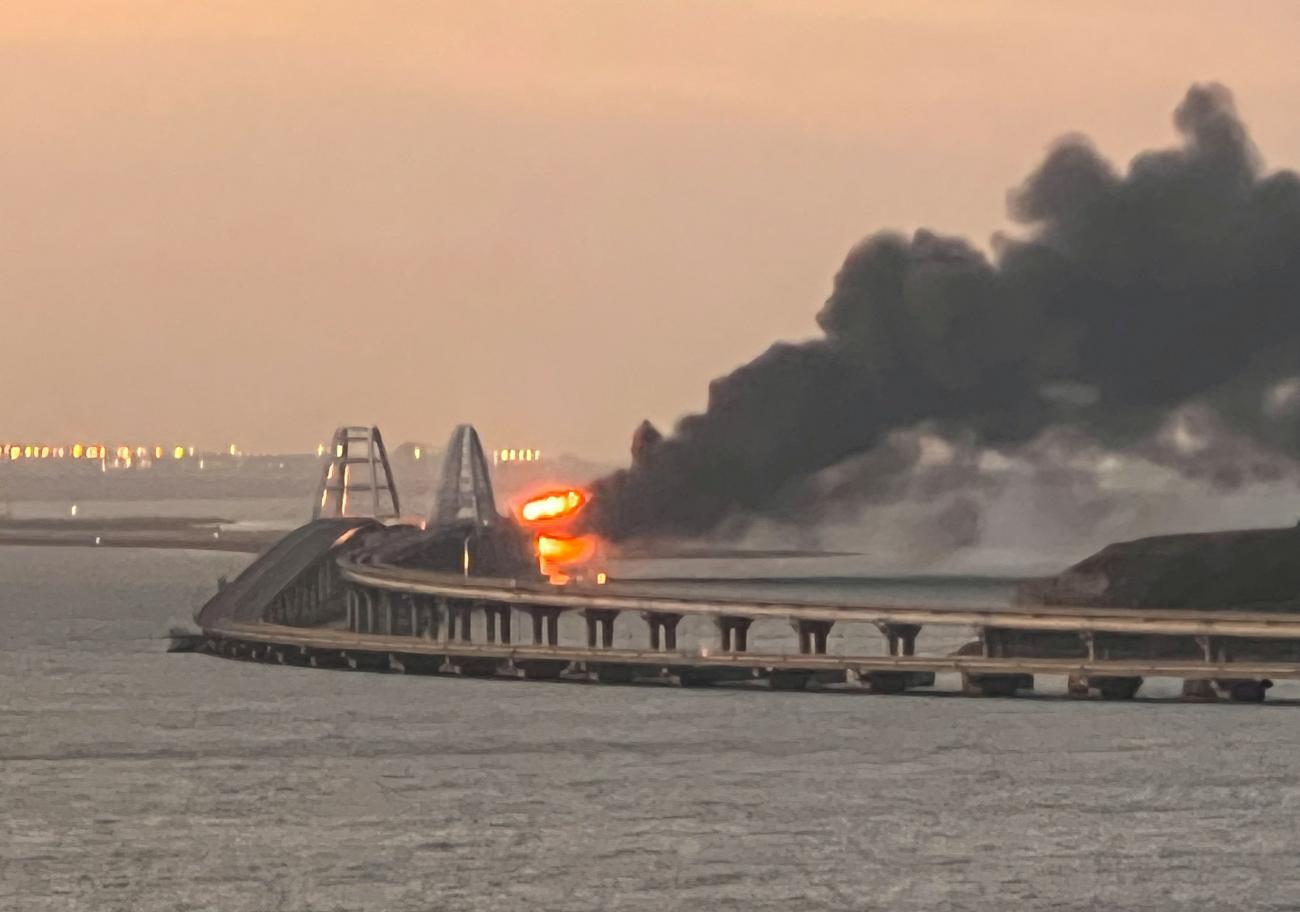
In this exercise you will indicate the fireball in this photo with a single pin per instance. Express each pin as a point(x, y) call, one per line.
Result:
point(553, 505)
point(565, 549)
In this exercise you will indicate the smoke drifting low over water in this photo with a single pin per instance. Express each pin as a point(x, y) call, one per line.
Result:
point(1151, 313)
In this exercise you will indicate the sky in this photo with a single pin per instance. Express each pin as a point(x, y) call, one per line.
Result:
point(251, 222)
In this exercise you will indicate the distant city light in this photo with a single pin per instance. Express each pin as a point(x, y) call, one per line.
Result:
point(121, 455)
point(527, 454)
point(417, 452)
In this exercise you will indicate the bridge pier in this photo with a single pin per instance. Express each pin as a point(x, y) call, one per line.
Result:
point(460, 620)
point(900, 638)
point(600, 621)
point(497, 616)
point(812, 635)
point(734, 632)
point(361, 610)
point(437, 612)
point(663, 630)
point(546, 624)
point(465, 614)
point(371, 609)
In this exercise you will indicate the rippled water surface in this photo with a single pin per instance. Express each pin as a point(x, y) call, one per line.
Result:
point(136, 780)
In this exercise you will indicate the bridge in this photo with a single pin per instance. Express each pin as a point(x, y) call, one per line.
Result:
point(332, 594)
point(322, 598)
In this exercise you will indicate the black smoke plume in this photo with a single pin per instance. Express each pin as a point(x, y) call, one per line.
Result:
point(1127, 301)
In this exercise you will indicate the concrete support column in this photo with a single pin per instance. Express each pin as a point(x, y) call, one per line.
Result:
point(663, 630)
point(734, 632)
point(439, 616)
point(812, 635)
point(600, 627)
point(497, 618)
point(546, 624)
point(466, 612)
point(901, 638)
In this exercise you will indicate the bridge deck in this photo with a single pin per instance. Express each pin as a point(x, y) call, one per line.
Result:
point(1149, 621)
point(343, 641)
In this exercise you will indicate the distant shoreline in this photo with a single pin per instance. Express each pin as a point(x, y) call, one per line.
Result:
point(172, 532)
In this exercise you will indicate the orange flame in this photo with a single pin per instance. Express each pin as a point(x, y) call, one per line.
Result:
point(553, 505)
point(564, 549)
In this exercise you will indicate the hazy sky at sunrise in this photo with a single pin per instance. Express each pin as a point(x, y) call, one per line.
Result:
point(253, 221)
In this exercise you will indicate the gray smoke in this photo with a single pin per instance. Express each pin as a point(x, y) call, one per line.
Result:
point(1154, 312)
